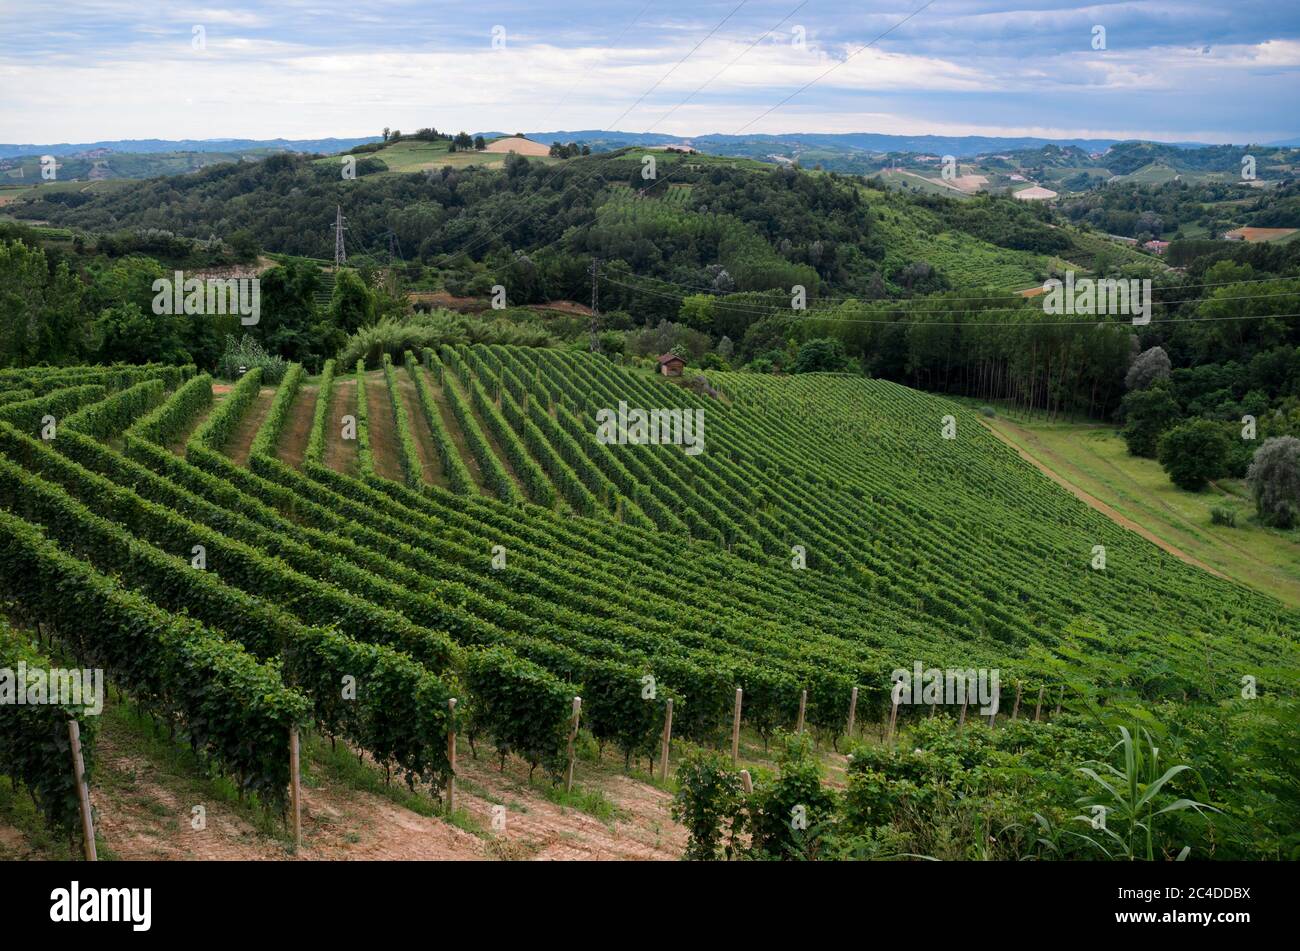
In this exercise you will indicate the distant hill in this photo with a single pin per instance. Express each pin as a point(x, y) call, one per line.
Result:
point(754, 146)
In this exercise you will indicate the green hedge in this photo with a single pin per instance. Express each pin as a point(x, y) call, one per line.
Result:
point(28, 414)
point(16, 396)
point(115, 413)
point(539, 487)
point(269, 433)
point(408, 454)
point(177, 413)
point(453, 467)
point(316, 441)
point(47, 379)
point(398, 713)
point(238, 563)
point(365, 459)
point(221, 423)
point(494, 473)
point(522, 706)
point(34, 745)
point(236, 711)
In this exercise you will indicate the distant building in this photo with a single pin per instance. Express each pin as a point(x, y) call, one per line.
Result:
point(1157, 247)
point(670, 364)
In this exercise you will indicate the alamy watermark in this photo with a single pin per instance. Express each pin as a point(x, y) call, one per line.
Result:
point(1087, 295)
point(57, 686)
point(75, 904)
point(952, 686)
point(655, 427)
point(215, 295)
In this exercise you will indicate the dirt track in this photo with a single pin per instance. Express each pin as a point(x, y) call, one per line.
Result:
point(145, 811)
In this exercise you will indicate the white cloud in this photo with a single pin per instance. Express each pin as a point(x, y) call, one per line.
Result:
point(145, 80)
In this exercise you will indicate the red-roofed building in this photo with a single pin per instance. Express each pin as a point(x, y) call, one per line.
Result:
point(670, 364)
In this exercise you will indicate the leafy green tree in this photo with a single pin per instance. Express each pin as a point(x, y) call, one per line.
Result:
point(766, 335)
point(1193, 452)
point(1147, 414)
point(352, 305)
point(127, 334)
point(697, 311)
point(480, 143)
point(62, 330)
point(244, 243)
point(128, 280)
point(289, 321)
point(42, 315)
point(823, 354)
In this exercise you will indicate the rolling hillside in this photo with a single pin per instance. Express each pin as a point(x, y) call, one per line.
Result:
point(475, 541)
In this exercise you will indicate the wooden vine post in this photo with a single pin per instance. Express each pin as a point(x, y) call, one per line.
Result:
point(893, 720)
point(573, 739)
point(803, 707)
point(1039, 707)
point(83, 791)
point(735, 728)
point(853, 712)
point(668, 735)
point(451, 755)
point(747, 781)
point(295, 788)
point(1015, 711)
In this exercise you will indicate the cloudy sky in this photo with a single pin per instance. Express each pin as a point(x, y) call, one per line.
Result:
point(1205, 70)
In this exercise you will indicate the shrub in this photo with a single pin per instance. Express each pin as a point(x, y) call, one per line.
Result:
point(244, 354)
point(1220, 515)
point(793, 813)
point(394, 336)
point(710, 802)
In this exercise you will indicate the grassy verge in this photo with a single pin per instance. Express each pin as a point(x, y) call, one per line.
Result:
point(1093, 457)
